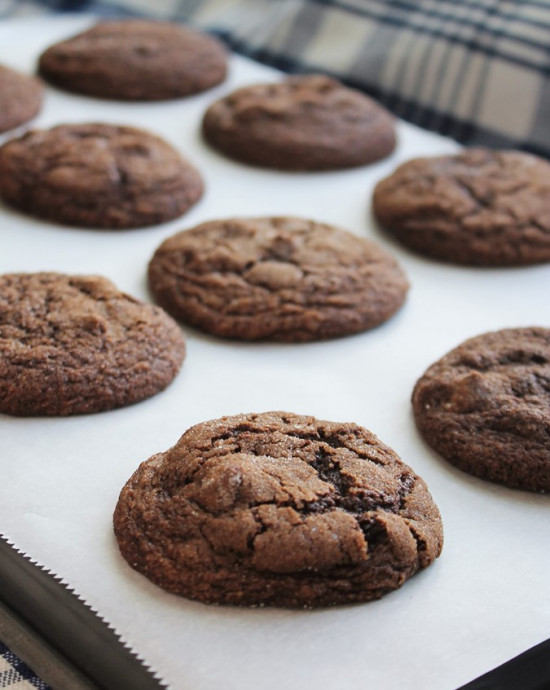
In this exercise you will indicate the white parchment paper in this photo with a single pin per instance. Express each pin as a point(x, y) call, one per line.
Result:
point(486, 599)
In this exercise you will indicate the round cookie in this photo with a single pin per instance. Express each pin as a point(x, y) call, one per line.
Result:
point(304, 123)
point(75, 344)
point(277, 509)
point(485, 407)
point(136, 60)
point(480, 207)
point(20, 98)
point(97, 175)
point(280, 279)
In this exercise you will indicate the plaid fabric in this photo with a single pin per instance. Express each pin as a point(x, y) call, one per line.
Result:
point(475, 70)
point(15, 674)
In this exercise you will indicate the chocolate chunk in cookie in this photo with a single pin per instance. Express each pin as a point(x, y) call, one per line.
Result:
point(76, 344)
point(282, 279)
point(20, 98)
point(277, 509)
point(480, 207)
point(485, 407)
point(97, 175)
point(136, 60)
point(304, 123)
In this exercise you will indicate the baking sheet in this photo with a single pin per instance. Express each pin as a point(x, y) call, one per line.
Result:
point(488, 596)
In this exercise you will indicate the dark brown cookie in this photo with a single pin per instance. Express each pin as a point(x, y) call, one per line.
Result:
point(136, 60)
point(304, 123)
point(76, 344)
point(480, 207)
point(485, 407)
point(20, 98)
point(97, 175)
point(285, 279)
point(277, 509)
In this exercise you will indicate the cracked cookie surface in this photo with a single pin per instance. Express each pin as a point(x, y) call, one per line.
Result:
point(485, 407)
point(76, 344)
point(20, 98)
point(480, 207)
point(282, 279)
point(304, 123)
point(277, 509)
point(97, 175)
point(136, 60)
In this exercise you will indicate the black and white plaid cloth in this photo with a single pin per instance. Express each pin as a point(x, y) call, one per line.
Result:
point(14, 674)
point(475, 70)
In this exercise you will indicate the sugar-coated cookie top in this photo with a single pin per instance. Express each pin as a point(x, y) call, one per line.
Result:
point(76, 344)
point(277, 509)
point(134, 59)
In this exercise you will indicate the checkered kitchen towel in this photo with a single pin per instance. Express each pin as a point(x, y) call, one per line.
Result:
point(474, 70)
point(14, 674)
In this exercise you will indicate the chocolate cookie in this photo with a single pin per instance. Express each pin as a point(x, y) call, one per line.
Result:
point(97, 175)
point(75, 344)
point(20, 98)
point(485, 407)
point(480, 207)
point(277, 509)
point(304, 123)
point(284, 279)
point(136, 60)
